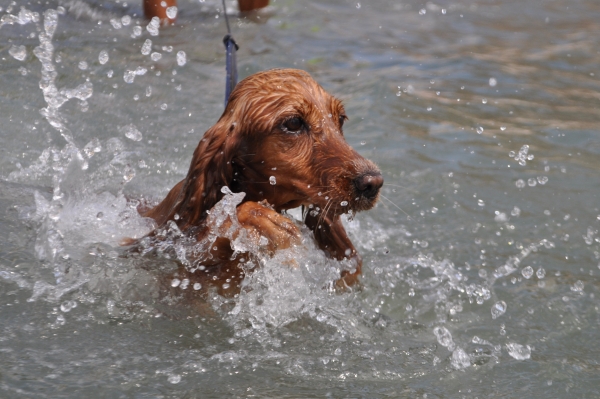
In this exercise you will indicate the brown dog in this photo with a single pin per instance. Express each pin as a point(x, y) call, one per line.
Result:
point(280, 141)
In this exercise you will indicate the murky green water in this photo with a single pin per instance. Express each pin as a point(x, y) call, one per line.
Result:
point(481, 263)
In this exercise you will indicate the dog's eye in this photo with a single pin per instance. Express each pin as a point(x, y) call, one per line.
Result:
point(342, 119)
point(293, 125)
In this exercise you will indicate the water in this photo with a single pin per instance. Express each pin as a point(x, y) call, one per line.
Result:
point(481, 261)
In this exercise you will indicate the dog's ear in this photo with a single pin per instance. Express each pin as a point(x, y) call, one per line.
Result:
point(211, 169)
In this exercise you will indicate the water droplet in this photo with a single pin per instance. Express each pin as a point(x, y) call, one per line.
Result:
point(197, 286)
point(184, 283)
point(116, 23)
point(484, 100)
point(422, 11)
point(541, 273)
point(128, 173)
point(520, 183)
point(480, 202)
point(532, 182)
point(147, 47)
point(103, 57)
point(482, 273)
point(522, 157)
point(503, 128)
point(542, 180)
point(358, 6)
point(82, 65)
point(272, 180)
point(429, 108)
point(578, 286)
point(181, 58)
point(60, 319)
point(164, 106)
point(137, 31)
point(126, 20)
point(517, 351)
point(99, 215)
point(516, 211)
point(18, 52)
point(155, 56)
point(171, 12)
point(175, 282)
point(493, 82)
point(67, 306)
point(498, 309)
point(131, 132)
point(460, 359)
point(174, 379)
point(344, 203)
point(500, 217)
point(153, 26)
point(129, 76)
point(479, 130)
point(140, 71)
point(92, 147)
point(363, 142)
point(527, 272)
point(444, 337)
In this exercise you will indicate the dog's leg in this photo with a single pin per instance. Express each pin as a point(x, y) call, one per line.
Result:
point(260, 220)
point(333, 239)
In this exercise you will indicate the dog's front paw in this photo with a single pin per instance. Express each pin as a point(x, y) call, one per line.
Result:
point(262, 221)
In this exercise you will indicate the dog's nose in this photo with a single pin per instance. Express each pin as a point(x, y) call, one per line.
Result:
point(368, 185)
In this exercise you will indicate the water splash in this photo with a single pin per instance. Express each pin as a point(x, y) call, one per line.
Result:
point(24, 17)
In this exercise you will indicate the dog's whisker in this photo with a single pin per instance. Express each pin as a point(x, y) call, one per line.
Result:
point(391, 202)
point(324, 211)
point(396, 185)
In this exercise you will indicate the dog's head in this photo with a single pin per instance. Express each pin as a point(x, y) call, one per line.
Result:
point(280, 138)
point(294, 151)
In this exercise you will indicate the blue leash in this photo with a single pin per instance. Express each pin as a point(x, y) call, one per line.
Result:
point(230, 63)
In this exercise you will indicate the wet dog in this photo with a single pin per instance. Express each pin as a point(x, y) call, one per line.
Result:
point(280, 141)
